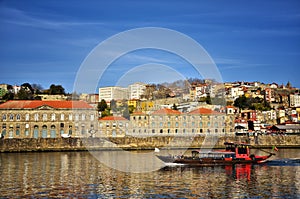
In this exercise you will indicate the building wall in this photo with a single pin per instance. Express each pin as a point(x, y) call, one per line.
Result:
point(112, 128)
point(136, 90)
point(181, 124)
point(51, 123)
point(113, 92)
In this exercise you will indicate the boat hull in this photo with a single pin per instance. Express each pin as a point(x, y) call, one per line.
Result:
point(209, 161)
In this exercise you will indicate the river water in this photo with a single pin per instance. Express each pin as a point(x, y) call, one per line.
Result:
point(81, 175)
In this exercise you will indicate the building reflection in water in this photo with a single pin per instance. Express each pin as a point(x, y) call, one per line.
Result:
point(79, 174)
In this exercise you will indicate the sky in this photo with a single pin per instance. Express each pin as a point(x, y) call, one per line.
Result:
point(47, 42)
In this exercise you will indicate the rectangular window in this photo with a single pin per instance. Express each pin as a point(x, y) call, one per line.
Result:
point(53, 117)
point(44, 117)
point(62, 117)
point(4, 117)
point(36, 117)
point(11, 117)
point(26, 132)
point(92, 117)
point(27, 117)
point(70, 117)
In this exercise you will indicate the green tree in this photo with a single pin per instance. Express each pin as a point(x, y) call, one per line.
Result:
point(27, 87)
point(102, 105)
point(24, 94)
point(56, 90)
point(8, 96)
point(208, 100)
point(241, 102)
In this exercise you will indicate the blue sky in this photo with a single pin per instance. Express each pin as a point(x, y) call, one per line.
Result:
point(46, 42)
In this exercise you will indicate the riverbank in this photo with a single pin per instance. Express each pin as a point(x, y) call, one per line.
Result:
point(142, 143)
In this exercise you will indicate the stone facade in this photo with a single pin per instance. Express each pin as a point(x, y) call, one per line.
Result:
point(168, 122)
point(53, 119)
point(47, 119)
point(112, 126)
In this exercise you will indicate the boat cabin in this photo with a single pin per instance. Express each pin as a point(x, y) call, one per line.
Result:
point(241, 150)
point(213, 154)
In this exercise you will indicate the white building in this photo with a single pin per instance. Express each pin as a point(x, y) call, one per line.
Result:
point(16, 89)
point(136, 90)
point(295, 100)
point(201, 91)
point(113, 92)
point(235, 92)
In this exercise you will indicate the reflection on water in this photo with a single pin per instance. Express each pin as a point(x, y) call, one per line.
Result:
point(80, 175)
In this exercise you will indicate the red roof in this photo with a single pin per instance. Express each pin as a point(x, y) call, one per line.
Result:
point(166, 111)
point(204, 111)
point(138, 113)
point(32, 104)
point(230, 106)
point(113, 118)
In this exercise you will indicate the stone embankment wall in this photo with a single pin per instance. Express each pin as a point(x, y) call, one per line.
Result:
point(136, 143)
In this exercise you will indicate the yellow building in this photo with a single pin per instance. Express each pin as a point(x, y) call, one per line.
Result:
point(146, 106)
point(47, 119)
point(113, 126)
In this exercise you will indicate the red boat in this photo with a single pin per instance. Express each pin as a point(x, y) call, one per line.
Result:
point(234, 153)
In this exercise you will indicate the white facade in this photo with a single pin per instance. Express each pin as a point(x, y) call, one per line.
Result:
point(201, 91)
point(295, 100)
point(235, 92)
point(136, 90)
point(113, 92)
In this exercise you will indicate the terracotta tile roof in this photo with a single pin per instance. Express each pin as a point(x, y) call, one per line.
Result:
point(112, 118)
point(230, 107)
point(32, 104)
point(166, 111)
point(204, 111)
point(138, 113)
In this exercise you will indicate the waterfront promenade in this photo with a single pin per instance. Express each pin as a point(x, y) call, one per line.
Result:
point(143, 143)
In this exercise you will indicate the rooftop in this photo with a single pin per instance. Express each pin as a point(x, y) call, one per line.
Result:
point(204, 111)
point(112, 118)
point(166, 111)
point(33, 104)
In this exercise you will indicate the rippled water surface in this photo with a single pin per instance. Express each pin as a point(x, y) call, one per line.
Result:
point(81, 175)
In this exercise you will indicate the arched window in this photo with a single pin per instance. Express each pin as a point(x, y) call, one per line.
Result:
point(11, 117)
point(53, 131)
point(18, 117)
point(201, 124)
point(18, 129)
point(44, 131)
point(216, 125)
point(36, 131)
